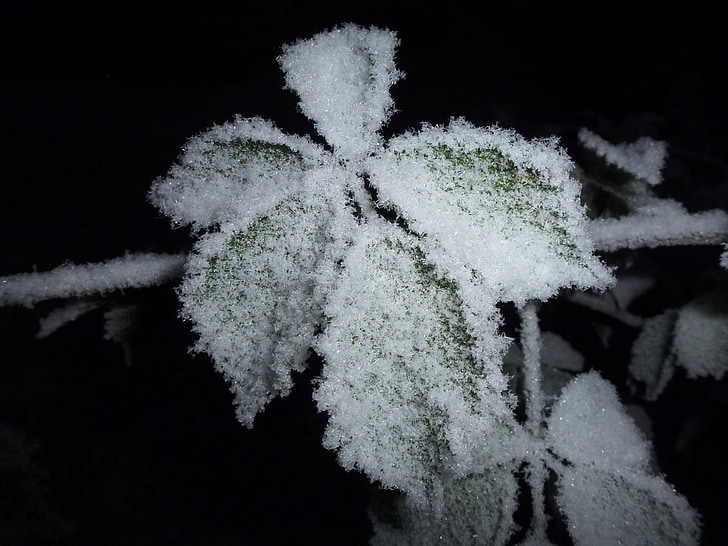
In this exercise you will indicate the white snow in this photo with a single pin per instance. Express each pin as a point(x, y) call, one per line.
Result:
point(343, 78)
point(234, 172)
point(625, 508)
point(606, 492)
point(410, 398)
point(254, 296)
point(407, 319)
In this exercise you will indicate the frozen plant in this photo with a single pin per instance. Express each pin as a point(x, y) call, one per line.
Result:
point(390, 260)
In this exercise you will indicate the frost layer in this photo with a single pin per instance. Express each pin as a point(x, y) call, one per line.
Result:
point(343, 78)
point(234, 172)
point(252, 296)
point(410, 397)
point(605, 492)
point(491, 205)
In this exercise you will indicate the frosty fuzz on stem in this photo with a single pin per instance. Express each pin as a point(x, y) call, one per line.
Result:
point(292, 255)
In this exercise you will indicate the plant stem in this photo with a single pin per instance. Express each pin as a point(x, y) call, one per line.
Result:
point(531, 345)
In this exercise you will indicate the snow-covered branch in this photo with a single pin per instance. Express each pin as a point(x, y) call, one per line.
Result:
point(71, 280)
point(661, 222)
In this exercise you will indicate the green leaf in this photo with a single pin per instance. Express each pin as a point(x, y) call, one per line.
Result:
point(252, 296)
point(489, 202)
point(234, 172)
point(410, 397)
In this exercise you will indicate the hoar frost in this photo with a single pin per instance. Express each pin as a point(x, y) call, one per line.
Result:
point(297, 252)
point(297, 257)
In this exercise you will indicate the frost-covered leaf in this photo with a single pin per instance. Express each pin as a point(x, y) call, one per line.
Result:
point(120, 321)
point(556, 352)
point(643, 158)
point(234, 171)
point(559, 362)
point(491, 205)
point(253, 297)
point(625, 508)
point(478, 510)
point(590, 426)
point(343, 78)
point(694, 337)
point(604, 489)
point(701, 337)
point(652, 363)
point(411, 394)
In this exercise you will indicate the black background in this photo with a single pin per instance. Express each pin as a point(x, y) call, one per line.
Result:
point(96, 100)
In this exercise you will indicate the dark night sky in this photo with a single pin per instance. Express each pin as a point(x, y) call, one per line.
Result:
point(96, 99)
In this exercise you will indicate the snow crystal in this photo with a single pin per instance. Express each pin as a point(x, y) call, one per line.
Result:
point(701, 337)
point(343, 78)
point(644, 158)
point(67, 281)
